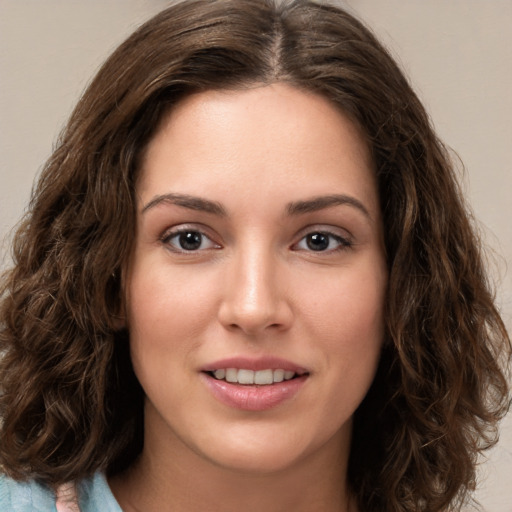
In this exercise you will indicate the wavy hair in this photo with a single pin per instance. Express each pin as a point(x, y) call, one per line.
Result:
point(70, 403)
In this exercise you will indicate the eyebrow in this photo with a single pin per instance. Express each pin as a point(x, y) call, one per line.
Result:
point(322, 202)
point(186, 201)
point(293, 208)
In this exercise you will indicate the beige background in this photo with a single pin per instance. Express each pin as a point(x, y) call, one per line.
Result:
point(458, 54)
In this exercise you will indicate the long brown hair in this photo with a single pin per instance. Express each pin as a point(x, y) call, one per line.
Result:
point(70, 403)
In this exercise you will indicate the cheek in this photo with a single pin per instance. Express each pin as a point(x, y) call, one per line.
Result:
point(162, 329)
point(162, 321)
point(346, 319)
point(347, 307)
point(165, 304)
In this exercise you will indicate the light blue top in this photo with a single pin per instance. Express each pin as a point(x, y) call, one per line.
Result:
point(94, 496)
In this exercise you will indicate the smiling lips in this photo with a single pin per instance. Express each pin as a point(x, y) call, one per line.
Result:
point(259, 377)
point(254, 385)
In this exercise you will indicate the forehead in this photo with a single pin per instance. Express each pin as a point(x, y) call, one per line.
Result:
point(270, 134)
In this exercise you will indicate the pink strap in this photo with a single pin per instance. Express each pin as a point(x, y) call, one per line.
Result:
point(67, 499)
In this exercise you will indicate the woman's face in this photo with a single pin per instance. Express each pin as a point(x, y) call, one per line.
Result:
point(255, 292)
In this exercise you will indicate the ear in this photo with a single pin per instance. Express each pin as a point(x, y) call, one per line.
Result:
point(119, 319)
point(118, 322)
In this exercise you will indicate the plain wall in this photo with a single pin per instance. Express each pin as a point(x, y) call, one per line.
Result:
point(457, 53)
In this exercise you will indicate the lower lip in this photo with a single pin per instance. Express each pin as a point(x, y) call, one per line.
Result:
point(254, 398)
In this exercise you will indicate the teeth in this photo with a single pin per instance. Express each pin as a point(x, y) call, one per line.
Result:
point(232, 375)
point(263, 377)
point(248, 377)
point(278, 375)
point(245, 377)
point(220, 374)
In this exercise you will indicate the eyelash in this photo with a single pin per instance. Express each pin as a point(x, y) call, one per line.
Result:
point(342, 242)
point(176, 233)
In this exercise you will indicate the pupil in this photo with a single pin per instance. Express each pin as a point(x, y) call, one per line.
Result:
point(190, 241)
point(318, 242)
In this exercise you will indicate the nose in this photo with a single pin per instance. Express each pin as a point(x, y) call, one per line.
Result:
point(255, 298)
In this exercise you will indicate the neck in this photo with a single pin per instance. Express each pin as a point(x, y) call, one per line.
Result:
point(179, 480)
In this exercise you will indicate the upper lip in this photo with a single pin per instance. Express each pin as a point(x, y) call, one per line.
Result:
point(255, 364)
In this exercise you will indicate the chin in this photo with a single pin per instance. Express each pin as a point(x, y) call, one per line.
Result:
point(258, 462)
point(254, 451)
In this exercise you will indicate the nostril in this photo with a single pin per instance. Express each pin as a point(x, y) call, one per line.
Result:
point(236, 313)
point(253, 328)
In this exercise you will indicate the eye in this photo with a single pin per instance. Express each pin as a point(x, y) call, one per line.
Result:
point(322, 241)
point(188, 240)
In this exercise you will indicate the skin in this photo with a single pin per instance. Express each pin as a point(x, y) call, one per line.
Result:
point(253, 288)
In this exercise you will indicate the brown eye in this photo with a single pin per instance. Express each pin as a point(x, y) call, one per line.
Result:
point(317, 241)
point(188, 240)
point(322, 241)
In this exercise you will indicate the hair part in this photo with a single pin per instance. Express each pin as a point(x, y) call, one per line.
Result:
point(70, 403)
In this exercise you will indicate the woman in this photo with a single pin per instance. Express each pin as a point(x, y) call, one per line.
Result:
point(248, 278)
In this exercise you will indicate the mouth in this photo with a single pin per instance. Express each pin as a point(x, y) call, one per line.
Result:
point(254, 384)
point(247, 377)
